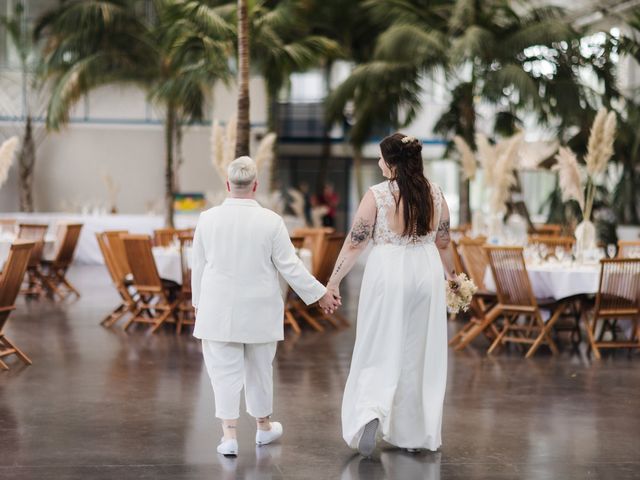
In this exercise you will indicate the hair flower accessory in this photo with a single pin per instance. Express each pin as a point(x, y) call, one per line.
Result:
point(409, 139)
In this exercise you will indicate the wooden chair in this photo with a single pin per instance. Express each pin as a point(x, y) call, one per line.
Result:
point(628, 249)
point(10, 282)
point(113, 239)
point(36, 234)
point(186, 312)
point(156, 303)
point(55, 271)
point(333, 245)
point(298, 241)
point(118, 278)
point(8, 225)
point(516, 301)
point(547, 229)
point(618, 298)
point(461, 230)
point(552, 243)
point(164, 237)
point(469, 258)
point(314, 240)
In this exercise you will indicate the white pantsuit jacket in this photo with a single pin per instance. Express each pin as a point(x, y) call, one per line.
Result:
point(238, 250)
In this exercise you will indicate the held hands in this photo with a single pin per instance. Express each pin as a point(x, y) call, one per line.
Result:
point(331, 300)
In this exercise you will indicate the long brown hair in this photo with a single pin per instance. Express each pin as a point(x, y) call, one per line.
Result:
point(404, 154)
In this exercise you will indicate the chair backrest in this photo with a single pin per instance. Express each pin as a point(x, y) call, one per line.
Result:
point(36, 234)
point(457, 259)
point(314, 240)
point(629, 249)
point(513, 286)
point(108, 258)
point(332, 247)
point(164, 237)
point(547, 229)
point(297, 240)
point(142, 263)
point(186, 244)
point(474, 259)
point(119, 255)
point(12, 276)
point(7, 225)
point(619, 287)
point(68, 235)
point(551, 242)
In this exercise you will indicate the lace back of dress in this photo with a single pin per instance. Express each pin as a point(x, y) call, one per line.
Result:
point(389, 219)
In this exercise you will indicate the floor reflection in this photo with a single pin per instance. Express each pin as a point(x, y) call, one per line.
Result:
point(263, 469)
point(392, 465)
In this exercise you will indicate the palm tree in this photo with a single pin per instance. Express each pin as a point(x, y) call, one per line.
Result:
point(28, 54)
point(173, 57)
point(244, 122)
point(490, 53)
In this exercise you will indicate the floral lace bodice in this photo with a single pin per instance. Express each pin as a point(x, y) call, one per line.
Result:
point(386, 204)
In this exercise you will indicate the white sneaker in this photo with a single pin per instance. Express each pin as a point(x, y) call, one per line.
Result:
point(265, 437)
point(228, 448)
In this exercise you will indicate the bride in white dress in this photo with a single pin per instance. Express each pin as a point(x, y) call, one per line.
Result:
point(396, 385)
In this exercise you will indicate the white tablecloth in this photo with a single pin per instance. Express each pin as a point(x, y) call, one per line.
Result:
point(555, 280)
point(169, 266)
point(6, 240)
point(88, 251)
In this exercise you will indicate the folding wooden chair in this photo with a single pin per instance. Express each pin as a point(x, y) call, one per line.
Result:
point(186, 312)
point(156, 303)
point(474, 265)
point(36, 234)
point(552, 243)
point(118, 278)
point(54, 272)
point(333, 245)
point(628, 249)
point(516, 301)
point(113, 239)
point(618, 298)
point(314, 240)
point(10, 282)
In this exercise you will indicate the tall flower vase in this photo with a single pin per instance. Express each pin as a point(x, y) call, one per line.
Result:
point(585, 238)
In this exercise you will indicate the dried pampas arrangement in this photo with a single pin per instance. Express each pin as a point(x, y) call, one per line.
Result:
point(569, 176)
point(486, 154)
point(223, 146)
point(467, 158)
point(7, 153)
point(601, 138)
point(503, 173)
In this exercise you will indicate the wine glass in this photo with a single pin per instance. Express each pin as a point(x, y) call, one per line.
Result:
point(611, 250)
point(560, 253)
point(543, 252)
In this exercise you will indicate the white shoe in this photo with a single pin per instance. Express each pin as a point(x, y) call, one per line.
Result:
point(228, 448)
point(265, 437)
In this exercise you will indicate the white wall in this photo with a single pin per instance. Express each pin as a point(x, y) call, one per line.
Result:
point(115, 131)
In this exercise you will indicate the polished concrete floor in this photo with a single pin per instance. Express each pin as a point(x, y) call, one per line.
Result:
point(101, 404)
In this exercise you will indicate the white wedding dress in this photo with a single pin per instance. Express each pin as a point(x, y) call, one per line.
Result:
point(399, 366)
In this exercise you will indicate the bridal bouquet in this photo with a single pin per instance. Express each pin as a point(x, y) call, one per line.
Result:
point(459, 293)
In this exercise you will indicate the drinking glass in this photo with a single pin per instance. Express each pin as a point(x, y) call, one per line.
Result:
point(611, 250)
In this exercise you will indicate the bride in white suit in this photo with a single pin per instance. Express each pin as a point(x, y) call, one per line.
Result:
point(395, 390)
point(238, 250)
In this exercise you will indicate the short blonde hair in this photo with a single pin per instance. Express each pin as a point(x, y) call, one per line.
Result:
point(242, 172)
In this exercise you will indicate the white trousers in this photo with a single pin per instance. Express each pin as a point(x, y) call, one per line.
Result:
point(232, 366)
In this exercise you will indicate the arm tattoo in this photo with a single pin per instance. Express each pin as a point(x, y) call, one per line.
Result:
point(360, 232)
point(443, 230)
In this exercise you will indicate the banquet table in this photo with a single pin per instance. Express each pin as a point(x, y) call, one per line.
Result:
point(87, 250)
point(169, 265)
point(557, 279)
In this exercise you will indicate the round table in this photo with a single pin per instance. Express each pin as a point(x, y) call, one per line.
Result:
point(557, 279)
